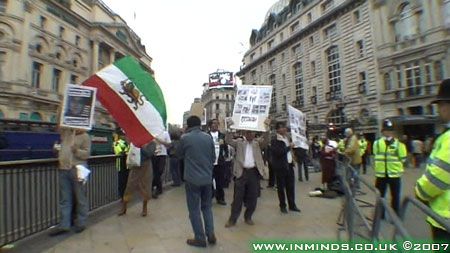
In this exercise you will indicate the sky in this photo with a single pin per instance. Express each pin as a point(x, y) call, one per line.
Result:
point(189, 39)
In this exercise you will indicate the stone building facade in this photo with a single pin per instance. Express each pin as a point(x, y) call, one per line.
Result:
point(46, 44)
point(219, 103)
point(319, 56)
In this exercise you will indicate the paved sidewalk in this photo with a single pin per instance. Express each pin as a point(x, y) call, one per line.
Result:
point(167, 227)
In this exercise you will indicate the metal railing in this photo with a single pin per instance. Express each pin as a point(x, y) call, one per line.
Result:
point(29, 193)
point(354, 219)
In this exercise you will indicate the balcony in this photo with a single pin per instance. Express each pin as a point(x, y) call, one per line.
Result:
point(410, 93)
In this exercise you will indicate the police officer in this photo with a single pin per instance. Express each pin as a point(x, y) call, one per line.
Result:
point(121, 149)
point(390, 155)
point(434, 186)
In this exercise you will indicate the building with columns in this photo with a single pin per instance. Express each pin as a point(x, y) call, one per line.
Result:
point(413, 54)
point(47, 44)
point(319, 56)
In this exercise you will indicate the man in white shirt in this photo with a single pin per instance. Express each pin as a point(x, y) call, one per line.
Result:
point(248, 169)
point(221, 149)
point(159, 161)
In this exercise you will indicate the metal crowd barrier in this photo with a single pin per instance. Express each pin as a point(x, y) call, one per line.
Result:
point(29, 193)
point(354, 218)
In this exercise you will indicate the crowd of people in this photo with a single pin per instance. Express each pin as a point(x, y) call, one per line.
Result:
point(208, 161)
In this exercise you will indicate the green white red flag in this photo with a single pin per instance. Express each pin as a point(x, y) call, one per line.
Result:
point(133, 98)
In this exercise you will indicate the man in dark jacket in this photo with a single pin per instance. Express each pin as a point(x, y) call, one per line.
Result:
point(283, 166)
point(197, 150)
point(221, 149)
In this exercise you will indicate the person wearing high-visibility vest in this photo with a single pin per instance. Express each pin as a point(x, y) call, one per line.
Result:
point(121, 149)
point(433, 187)
point(363, 152)
point(390, 155)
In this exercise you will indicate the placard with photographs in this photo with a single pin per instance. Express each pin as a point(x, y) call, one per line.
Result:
point(78, 107)
point(297, 120)
point(251, 107)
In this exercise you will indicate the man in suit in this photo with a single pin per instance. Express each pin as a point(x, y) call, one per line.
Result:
point(219, 171)
point(248, 169)
point(283, 165)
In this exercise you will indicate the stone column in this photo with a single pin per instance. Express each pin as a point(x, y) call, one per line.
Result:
point(95, 51)
point(112, 53)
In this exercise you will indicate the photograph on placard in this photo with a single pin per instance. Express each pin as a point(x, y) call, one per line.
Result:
point(264, 96)
point(255, 109)
point(262, 109)
point(242, 98)
point(78, 107)
point(246, 109)
point(238, 108)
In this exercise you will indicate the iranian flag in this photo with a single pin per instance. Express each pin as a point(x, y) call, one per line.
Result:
point(133, 98)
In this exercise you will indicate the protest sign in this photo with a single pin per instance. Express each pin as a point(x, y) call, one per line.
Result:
point(251, 107)
point(297, 122)
point(78, 107)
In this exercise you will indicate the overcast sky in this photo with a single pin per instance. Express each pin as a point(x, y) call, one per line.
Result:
point(188, 39)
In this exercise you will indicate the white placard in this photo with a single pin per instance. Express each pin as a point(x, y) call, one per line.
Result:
point(297, 122)
point(78, 107)
point(251, 107)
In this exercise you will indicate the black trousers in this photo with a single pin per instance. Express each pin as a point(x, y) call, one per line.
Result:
point(395, 186)
point(159, 164)
point(440, 236)
point(286, 187)
point(364, 163)
point(271, 175)
point(246, 190)
point(123, 179)
point(219, 172)
point(301, 156)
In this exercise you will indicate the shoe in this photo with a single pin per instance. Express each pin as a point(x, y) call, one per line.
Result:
point(58, 231)
point(221, 202)
point(230, 224)
point(196, 243)
point(212, 239)
point(249, 222)
point(79, 229)
point(283, 209)
point(154, 195)
point(294, 209)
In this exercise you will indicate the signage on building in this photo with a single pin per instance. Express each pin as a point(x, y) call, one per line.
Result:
point(251, 107)
point(78, 107)
point(221, 79)
point(297, 121)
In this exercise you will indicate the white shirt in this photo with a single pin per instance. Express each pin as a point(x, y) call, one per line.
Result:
point(215, 136)
point(286, 141)
point(160, 148)
point(249, 161)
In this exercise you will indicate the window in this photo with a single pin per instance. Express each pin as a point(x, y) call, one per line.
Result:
point(362, 82)
point(77, 40)
point(38, 48)
point(283, 80)
point(297, 50)
point(407, 24)
point(272, 64)
point(2, 64)
point(217, 97)
point(313, 68)
point(58, 55)
point(253, 74)
point(61, 32)
point(252, 56)
point(56, 79)
point(23, 116)
point(356, 17)
point(314, 91)
point(336, 117)
point(75, 63)
point(387, 82)
point(281, 36)
point(73, 79)
point(327, 5)
point(3, 4)
point(446, 13)
point(274, 94)
point(43, 22)
point(309, 17)
point(311, 41)
point(298, 79)
point(35, 116)
point(334, 71)
point(217, 106)
point(295, 27)
point(269, 45)
point(360, 48)
point(330, 32)
point(2, 115)
point(227, 97)
point(283, 57)
point(413, 79)
point(399, 77)
point(36, 75)
point(438, 71)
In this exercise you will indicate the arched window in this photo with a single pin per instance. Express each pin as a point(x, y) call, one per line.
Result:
point(2, 115)
point(35, 116)
point(299, 87)
point(407, 24)
point(53, 118)
point(337, 117)
point(334, 71)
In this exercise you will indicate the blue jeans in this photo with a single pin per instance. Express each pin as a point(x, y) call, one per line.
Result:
point(200, 198)
point(72, 192)
point(356, 174)
point(175, 170)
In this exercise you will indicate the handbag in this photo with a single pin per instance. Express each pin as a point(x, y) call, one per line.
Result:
point(134, 156)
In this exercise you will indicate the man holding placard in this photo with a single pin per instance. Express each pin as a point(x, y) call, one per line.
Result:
point(73, 154)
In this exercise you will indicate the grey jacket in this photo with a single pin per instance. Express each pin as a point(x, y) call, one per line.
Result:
point(198, 152)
